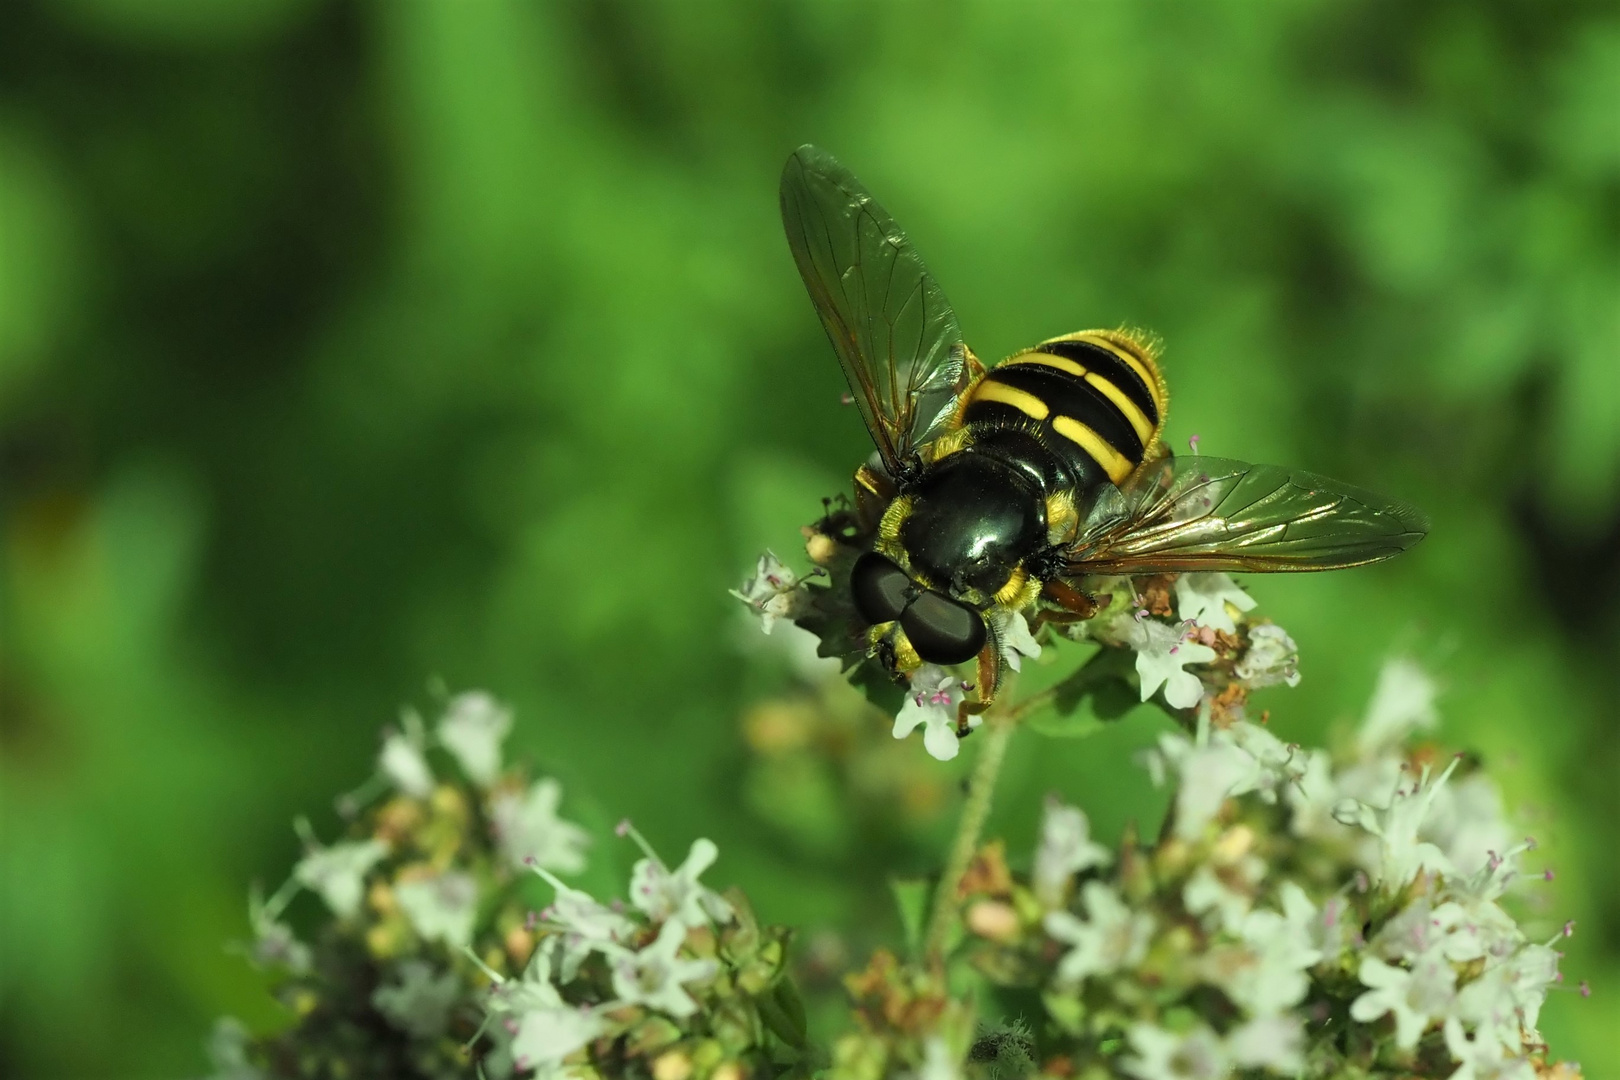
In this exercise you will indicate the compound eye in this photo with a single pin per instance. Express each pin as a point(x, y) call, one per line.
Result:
point(880, 588)
point(941, 630)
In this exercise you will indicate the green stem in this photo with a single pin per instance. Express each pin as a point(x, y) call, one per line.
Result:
point(997, 733)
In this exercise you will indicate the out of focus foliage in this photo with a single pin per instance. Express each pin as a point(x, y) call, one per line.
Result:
point(347, 346)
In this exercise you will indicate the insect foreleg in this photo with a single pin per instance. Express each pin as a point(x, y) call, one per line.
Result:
point(989, 681)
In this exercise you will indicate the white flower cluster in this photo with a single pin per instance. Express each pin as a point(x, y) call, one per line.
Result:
point(1205, 627)
point(1210, 617)
point(1341, 888)
point(427, 903)
point(774, 592)
point(1257, 956)
point(439, 905)
point(935, 692)
point(644, 947)
point(1209, 603)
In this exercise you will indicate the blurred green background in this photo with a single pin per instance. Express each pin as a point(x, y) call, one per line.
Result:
point(346, 346)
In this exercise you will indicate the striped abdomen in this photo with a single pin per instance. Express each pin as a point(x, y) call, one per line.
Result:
point(1094, 401)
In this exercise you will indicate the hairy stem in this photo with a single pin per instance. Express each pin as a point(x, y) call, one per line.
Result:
point(998, 731)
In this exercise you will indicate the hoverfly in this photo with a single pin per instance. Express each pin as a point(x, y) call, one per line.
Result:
point(992, 490)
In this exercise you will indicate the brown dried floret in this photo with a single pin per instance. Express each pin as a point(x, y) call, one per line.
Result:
point(987, 874)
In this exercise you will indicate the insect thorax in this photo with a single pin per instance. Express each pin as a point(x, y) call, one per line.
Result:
point(1035, 439)
point(973, 519)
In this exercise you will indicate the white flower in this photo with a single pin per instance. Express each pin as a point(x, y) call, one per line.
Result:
point(1161, 653)
point(228, 1052)
point(665, 894)
point(1416, 998)
point(935, 694)
point(1277, 763)
point(1162, 1055)
point(1312, 797)
point(1117, 624)
point(1203, 599)
point(1535, 970)
point(535, 989)
point(440, 908)
point(338, 873)
point(1415, 930)
point(1329, 932)
point(1474, 937)
point(545, 1029)
point(1227, 892)
point(1220, 764)
point(1402, 702)
point(530, 832)
point(578, 926)
point(1507, 996)
point(1401, 854)
point(1490, 1003)
point(1481, 927)
point(1065, 849)
point(1279, 952)
point(1113, 936)
point(1482, 1059)
point(274, 945)
point(1275, 1042)
point(403, 763)
point(773, 592)
point(1468, 822)
point(1209, 773)
point(1372, 780)
point(1013, 639)
point(938, 1062)
point(473, 728)
point(1271, 658)
point(655, 976)
point(544, 1037)
point(419, 1003)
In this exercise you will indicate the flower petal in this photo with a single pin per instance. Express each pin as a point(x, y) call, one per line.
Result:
point(941, 741)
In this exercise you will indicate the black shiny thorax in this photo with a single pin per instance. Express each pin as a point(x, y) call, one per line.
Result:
point(974, 517)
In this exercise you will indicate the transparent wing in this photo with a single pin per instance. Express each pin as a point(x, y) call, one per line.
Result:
point(1189, 514)
point(895, 333)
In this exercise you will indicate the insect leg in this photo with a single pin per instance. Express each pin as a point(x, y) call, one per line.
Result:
point(873, 494)
point(1072, 600)
point(989, 682)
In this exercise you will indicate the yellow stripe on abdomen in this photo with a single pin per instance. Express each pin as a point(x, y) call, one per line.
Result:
point(1129, 358)
point(1023, 401)
point(1128, 408)
point(1062, 363)
point(1114, 463)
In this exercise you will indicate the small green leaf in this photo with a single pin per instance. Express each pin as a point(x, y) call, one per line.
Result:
point(880, 688)
point(1098, 692)
point(1075, 725)
point(911, 898)
point(1065, 1010)
point(783, 1012)
point(1107, 682)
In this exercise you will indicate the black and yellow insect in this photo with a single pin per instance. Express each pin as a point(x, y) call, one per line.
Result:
point(995, 490)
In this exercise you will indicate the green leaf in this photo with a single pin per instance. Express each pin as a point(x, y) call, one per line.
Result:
point(1098, 692)
point(830, 615)
point(911, 899)
point(1065, 1010)
point(1074, 725)
point(880, 689)
point(783, 1012)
